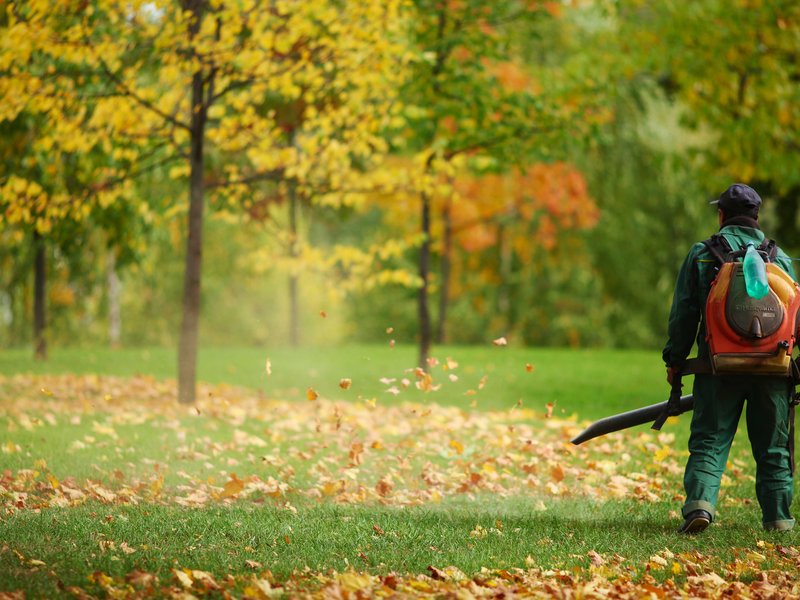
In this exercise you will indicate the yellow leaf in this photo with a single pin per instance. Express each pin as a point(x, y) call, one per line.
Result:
point(232, 487)
point(459, 448)
point(658, 562)
point(662, 453)
point(311, 394)
point(183, 577)
point(353, 582)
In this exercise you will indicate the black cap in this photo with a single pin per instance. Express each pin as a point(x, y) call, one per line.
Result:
point(738, 199)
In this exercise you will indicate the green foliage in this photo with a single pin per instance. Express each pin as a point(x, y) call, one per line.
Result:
point(652, 210)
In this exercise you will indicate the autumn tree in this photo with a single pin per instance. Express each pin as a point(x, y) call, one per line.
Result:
point(198, 86)
point(473, 104)
point(732, 68)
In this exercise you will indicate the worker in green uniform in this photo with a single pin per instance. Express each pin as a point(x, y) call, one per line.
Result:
point(720, 399)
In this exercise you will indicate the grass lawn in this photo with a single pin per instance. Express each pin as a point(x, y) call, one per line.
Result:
point(589, 383)
point(467, 485)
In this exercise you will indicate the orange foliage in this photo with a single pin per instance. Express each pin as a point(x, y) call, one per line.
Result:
point(549, 198)
point(511, 76)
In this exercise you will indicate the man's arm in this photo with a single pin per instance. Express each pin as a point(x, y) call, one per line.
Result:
point(684, 316)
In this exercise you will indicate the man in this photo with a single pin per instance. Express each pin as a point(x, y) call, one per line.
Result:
point(720, 399)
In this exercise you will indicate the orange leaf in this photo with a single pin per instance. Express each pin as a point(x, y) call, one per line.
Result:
point(311, 394)
point(232, 487)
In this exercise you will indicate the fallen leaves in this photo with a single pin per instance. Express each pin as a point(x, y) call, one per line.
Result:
point(359, 452)
point(232, 488)
point(347, 452)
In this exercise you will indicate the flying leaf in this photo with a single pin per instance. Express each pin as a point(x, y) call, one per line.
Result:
point(501, 341)
point(311, 394)
point(345, 383)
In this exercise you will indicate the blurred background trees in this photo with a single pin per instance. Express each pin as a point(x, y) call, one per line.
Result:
point(426, 172)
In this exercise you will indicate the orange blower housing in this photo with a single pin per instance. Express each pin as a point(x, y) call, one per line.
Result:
point(749, 335)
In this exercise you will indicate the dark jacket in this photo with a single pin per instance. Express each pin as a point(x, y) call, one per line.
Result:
point(686, 318)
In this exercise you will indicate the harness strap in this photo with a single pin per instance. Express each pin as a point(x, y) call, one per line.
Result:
point(720, 249)
point(718, 246)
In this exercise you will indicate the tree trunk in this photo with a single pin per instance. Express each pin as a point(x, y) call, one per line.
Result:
point(504, 289)
point(187, 349)
point(446, 263)
point(424, 270)
point(114, 292)
point(39, 298)
point(294, 308)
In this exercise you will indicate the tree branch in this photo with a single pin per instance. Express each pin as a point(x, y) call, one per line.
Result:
point(272, 175)
point(126, 91)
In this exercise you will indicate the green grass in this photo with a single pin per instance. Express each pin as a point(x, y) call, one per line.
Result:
point(329, 537)
point(589, 383)
point(540, 529)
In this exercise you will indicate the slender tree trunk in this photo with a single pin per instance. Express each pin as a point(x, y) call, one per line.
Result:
point(424, 270)
point(446, 263)
point(39, 298)
point(504, 289)
point(294, 305)
point(114, 292)
point(187, 349)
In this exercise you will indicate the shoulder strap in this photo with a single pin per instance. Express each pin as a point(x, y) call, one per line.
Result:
point(718, 246)
point(769, 248)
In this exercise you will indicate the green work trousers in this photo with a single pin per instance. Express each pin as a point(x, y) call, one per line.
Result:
point(718, 405)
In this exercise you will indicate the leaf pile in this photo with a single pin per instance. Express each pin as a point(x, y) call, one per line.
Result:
point(72, 440)
point(689, 575)
point(236, 444)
